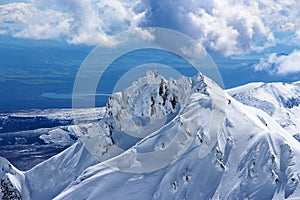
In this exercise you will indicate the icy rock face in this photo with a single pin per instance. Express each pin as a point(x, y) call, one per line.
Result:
point(10, 181)
point(250, 156)
point(280, 100)
point(264, 173)
point(149, 104)
point(8, 191)
point(253, 157)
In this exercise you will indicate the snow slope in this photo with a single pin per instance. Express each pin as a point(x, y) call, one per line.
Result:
point(279, 100)
point(214, 148)
point(30, 137)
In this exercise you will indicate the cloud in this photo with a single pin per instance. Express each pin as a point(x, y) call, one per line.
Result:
point(24, 20)
point(227, 27)
point(297, 34)
point(281, 64)
point(78, 22)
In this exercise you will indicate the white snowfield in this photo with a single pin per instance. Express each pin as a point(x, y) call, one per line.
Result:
point(225, 150)
point(279, 100)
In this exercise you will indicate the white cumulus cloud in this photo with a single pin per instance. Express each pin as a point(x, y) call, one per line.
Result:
point(281, 64)
point(228, 27)
point(26, 21)
point(79, 22)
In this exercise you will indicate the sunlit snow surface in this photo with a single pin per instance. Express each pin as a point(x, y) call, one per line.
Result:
point(253, 158)
point(279, 100)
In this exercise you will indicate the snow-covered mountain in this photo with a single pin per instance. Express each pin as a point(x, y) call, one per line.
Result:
point(30, 137)
point(279, 100)
point(176, 139)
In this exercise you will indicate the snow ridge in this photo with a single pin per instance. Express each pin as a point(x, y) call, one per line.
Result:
point(247, 156)
point(279, 100)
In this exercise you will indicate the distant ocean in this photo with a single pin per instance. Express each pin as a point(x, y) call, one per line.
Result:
point(40, 76)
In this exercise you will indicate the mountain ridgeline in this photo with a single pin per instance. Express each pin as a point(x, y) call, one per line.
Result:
point(215, 148)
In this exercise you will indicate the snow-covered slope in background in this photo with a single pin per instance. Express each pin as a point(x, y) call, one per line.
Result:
point(30, 137)
point(279, 100)
point(35, 119)
point(246, 156)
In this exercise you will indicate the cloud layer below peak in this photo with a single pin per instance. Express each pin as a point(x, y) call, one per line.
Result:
point(280, 64)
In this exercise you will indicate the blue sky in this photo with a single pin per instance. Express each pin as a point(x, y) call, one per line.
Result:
point(43, 42)
point(227, 28)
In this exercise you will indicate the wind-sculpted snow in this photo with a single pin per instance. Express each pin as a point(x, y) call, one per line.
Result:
point(252, 156)
point(249, 160)
point(280, 100)
point(156, 106)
